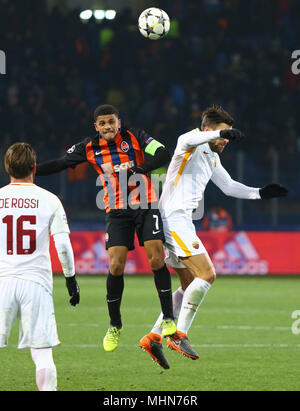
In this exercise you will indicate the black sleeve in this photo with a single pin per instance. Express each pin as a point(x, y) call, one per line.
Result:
point(74, 156)
point(160, 159)
point(51, 167)
point(160, 155)
point(142, 137)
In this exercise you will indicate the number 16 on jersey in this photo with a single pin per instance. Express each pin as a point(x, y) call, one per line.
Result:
point(15, 229)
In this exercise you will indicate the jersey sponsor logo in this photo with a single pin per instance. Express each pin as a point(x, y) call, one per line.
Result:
point(107, 168)
point(123, 166)
point(205, 152)
point(196, 245)
point(97, 153)
point(156, 232)
point(124, 146)
point(71, 150)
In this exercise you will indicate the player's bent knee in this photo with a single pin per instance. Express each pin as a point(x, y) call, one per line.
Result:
point(156, 261)
point(116, 267)
point(209, 275)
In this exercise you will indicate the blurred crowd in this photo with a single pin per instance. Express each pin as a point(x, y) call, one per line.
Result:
point(231, 52)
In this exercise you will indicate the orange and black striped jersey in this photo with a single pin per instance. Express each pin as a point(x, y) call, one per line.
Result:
point(109, 159)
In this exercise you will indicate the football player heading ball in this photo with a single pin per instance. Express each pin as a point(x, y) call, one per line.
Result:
point(195, 162)
point(113, 151)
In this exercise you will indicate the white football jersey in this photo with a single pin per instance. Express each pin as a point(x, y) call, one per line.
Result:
point(28, 216)
point(192, 166)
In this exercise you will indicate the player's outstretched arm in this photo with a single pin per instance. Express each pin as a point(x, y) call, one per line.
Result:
point(51, 167)
point(196, 137)
point(74, 156)
point(233, 188)
point(66, 257)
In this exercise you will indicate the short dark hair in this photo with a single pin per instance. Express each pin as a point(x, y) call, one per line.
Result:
point(104, 110)
point(215, 115)
point(19, 160)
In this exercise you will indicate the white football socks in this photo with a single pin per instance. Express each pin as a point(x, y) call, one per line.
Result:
point(192, 298)
point(46, 377)
point(177, 301)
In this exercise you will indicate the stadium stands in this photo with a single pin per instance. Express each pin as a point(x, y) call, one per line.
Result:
point(234, 53)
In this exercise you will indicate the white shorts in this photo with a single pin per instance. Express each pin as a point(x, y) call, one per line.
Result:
point(181, 239)
point(34, 305)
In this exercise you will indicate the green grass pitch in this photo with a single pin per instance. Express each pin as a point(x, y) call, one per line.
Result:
point(243, 333)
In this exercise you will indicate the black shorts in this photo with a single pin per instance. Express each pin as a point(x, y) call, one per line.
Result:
point(121, 226)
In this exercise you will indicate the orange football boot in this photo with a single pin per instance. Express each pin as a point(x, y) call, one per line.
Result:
point(152, 344)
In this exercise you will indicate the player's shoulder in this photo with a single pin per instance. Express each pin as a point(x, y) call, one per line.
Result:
point(135, 130)
point(4, 188)
point(140, 134)
point(183, 139)
point(51, 199)
point(48, 199)
point(81, 145)
point(187, 134)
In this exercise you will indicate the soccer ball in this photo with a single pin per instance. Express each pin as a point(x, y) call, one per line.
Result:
point(154, 23)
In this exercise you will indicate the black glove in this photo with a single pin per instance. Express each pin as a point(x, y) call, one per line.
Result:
point(232, 134)
point(73, 289)
point(135, 170)
point(273, 190)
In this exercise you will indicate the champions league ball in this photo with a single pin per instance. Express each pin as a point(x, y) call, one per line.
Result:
point(154, 23)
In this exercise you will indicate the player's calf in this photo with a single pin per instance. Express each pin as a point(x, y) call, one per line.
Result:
point(46, 377)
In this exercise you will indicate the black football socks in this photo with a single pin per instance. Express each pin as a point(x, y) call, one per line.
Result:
point(115, 287)
point(162, 279)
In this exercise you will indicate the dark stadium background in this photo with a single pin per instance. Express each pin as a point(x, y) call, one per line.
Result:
point(234, 53)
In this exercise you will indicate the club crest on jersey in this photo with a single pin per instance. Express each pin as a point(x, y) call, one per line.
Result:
point(196, 245)
point(124, 146)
